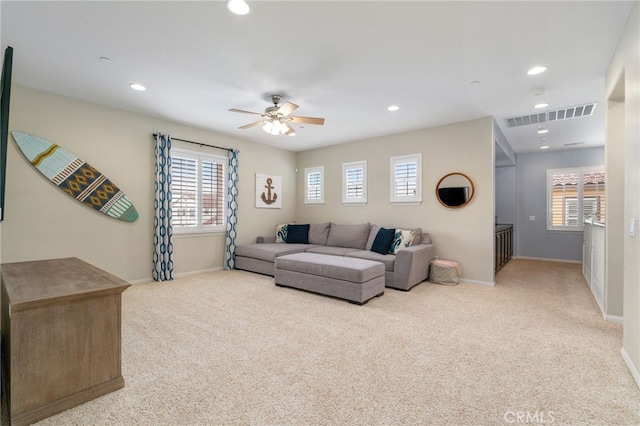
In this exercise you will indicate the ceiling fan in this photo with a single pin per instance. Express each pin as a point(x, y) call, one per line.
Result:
point(276, 119)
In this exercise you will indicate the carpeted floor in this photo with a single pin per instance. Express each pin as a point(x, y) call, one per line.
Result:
point(232, 348)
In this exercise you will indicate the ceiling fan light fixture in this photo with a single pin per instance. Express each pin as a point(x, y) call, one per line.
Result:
point(275, 128)
point(238, 7)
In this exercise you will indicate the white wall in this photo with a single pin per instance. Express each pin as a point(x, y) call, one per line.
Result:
point(41, 221)
point(464, 235)
point(626, 59)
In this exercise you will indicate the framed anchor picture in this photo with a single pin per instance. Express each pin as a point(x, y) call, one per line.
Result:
point(268, 191)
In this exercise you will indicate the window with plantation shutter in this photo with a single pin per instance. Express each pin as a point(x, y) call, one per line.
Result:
point(573, 196)
point(314, 185)
point(406, 179)
point(354, 182)
point(197, 189)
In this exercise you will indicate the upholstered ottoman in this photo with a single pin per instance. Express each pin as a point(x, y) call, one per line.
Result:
point(355, 280)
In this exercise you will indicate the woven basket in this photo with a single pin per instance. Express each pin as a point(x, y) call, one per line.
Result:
point(445, 272)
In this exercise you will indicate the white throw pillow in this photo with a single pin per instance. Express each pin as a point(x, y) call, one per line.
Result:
point(402, 239)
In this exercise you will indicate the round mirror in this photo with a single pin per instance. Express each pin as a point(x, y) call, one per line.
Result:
point(455, 190)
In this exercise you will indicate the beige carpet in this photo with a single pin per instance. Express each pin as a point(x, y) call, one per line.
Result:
point(232, 348)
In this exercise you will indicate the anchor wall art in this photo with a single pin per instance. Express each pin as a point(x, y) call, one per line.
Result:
point(268, 191)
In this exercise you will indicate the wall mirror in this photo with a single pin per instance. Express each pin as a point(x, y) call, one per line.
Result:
point(455, 190)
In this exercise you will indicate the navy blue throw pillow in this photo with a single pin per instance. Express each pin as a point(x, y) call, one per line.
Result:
point(383, 240)
point(298, 234)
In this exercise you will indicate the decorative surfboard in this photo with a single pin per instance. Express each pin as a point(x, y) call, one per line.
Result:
point(76, 177)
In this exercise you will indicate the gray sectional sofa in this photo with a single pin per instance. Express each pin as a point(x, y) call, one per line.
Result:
point(403, 270)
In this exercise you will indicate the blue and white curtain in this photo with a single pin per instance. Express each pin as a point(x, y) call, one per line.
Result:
point(232, 210)
point(162, 237)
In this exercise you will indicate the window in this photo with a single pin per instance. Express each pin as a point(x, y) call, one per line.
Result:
point(573, 196)
point(197, 190)
point(354, 182)
point(314, 185)
point(406, 179)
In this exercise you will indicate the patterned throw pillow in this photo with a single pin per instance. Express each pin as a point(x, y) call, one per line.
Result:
point(281, 233)
point(403, 238)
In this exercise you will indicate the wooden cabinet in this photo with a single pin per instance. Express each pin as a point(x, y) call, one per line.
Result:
point(61, 330)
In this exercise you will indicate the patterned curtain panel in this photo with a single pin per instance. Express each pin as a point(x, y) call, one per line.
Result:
point(232, 210)
point(163, 246)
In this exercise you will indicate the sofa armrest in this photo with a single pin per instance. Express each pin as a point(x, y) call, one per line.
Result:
point(266, 239)
point(412, 265)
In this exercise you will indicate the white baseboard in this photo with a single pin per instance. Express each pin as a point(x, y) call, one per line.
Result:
point(547, 260)
point(613, 318)
point(180, 275)
point(485, 283)
point(632, 368)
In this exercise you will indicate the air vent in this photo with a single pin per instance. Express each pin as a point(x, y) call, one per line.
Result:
point(525, 120)
point(555, 115)
point(572, 112)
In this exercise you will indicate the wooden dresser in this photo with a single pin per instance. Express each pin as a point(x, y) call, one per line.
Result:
point(61, 331)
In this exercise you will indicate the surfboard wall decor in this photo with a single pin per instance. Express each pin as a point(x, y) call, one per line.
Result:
point(76, 177)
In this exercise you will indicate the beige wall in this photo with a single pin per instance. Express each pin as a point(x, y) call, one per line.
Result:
point(626, 60)
point(464, 235)
point(42, 222)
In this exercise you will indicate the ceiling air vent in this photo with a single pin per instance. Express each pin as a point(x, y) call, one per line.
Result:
point(572, 112)
point(525, 120)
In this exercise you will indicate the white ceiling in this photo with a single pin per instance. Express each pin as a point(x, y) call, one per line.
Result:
point(346, 61)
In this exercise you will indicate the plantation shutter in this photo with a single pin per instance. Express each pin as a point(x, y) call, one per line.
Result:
point(406, 175)
point(575, 194)
point(355, 182)
point(184, 189)
point(212, 194)
point(313, 185)
point(198, 191)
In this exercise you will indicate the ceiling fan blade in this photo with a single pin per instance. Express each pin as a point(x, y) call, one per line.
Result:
point(287, 108)
point(290, 131)
point(257, 123)
point(244, 112)
point(308, 120)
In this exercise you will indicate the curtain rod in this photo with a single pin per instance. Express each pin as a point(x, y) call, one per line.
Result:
point(197, 143)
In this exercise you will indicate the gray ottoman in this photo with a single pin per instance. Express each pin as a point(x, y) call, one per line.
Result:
point(356, 280)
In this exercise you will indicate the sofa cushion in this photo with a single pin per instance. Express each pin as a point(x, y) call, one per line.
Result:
point(336, 251)
point(269, 252)
point(354, 236)
point(298, 234)
point(403, 238)
point(339, 268)
point(383, 240)
point(319, 233)
point(281, 233)
point(388, 260)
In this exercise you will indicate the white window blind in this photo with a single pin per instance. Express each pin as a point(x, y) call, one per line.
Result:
point(406, 179)
point(198, 189)
point(354, 182)
point(314, 185)
point(573, 196)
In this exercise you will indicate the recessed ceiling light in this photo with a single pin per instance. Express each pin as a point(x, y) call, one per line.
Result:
point(239, 7)
point(543, 131)
point(537, 70)
point(543, 105)
point(544, 147)
point(137, 86)
point(393, 108)
point(544, 138)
